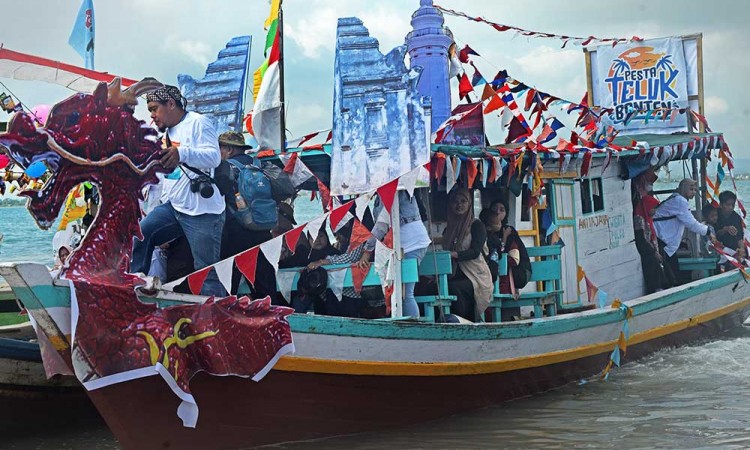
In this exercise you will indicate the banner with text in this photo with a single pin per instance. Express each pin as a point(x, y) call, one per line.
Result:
point(642, 84)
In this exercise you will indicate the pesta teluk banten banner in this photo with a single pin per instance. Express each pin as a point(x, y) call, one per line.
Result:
point(643, 83)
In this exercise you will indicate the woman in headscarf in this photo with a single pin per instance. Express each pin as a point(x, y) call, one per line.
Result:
point(503, 238)
point(466, 239)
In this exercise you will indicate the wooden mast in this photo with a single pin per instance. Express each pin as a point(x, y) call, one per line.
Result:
point(282, 121)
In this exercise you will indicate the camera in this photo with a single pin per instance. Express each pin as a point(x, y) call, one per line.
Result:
point(202, 184)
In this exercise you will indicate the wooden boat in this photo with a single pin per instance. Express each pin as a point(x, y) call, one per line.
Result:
point(355, 375)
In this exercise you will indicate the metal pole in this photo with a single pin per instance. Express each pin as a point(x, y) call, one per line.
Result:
point(397, 309)
point(282, 122)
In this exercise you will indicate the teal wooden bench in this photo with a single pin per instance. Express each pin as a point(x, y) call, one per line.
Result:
point(706, 266)
point(436, 264)
point(546, 270)
point(409, 273)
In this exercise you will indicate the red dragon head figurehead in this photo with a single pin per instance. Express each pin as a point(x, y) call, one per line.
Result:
point(84, 136)
point(92, 137)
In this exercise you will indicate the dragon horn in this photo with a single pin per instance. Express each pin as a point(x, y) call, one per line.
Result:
point(144, 86)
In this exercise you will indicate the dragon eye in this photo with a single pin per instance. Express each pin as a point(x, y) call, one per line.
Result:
point(73, 118)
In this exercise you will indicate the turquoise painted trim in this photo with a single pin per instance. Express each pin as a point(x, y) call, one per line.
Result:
point(409, 273)
point(573, 223)
point(339, 326)
point(49, 296)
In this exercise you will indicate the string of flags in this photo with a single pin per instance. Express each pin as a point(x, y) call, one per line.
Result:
point(538, 103)
point(621, 346)
point(385, 255)
point(581, 41)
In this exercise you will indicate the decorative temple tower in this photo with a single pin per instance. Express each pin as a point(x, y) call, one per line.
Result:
point(220, 94)
point(380, 120)
point(428, 45)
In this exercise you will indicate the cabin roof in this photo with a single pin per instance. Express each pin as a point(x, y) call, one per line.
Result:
point(666, 147)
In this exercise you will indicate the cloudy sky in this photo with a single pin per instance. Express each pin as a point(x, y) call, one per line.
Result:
point(162, 38)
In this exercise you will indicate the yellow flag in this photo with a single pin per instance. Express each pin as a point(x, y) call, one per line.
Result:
point(273, 14)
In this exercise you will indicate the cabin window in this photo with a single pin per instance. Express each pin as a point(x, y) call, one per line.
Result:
point(592, 195)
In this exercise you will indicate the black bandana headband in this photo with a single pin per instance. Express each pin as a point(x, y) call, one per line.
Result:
point(162, 95)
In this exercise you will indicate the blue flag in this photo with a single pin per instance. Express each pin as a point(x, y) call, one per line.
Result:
point(82, 36)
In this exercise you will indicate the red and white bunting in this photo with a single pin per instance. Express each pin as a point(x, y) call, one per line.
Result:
point(387, 193)
point(292, 237)
point(360, 205)
point(359, 235)
point(383, 259)
point(224, 271)
point(336, 282)
point(409, 180)
point(285, 280)
point(582, 41)
point(297, 170)
point(338, 214)
point(247, 262)
point(272, 251)
point(299, 142)
point(358, 277)
point(196, 280)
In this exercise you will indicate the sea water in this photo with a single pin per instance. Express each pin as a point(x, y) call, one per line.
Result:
point(691, 397)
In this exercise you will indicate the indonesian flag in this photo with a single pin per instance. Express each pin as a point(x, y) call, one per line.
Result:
point(266, 118)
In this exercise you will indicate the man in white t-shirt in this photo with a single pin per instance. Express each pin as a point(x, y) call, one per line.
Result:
point(193, 205)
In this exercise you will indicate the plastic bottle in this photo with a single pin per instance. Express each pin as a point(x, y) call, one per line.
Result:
point(239, 201)
point(493, 255)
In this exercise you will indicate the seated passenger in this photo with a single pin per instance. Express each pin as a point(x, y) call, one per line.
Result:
point(729, 227)
point(414, 240)
point(670, 220)
point(352, 304)
point(710, 216)
point(466, 238)
point(503, 238)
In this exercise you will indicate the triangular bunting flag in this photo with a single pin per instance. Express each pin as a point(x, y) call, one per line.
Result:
point(450, 176)
point(325, 195)
point(409, 180)
point(387, 192)
point(360, 234)
point(285, 280)
point(336, 282)
point(360, 205)
point(292, 236)
point(487, 92)
point(358, 277)
point(247, 262)
point(495, 103)
point(471, 172)
point(464, 86)
point(196, 279)
point(272, 251)
point(337, 214)
point(313, 227)
point(224, 272)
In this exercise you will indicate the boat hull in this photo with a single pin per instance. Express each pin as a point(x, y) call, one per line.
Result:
point(353, 375)
point(291, 406)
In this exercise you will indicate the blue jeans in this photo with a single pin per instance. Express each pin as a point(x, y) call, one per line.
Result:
point(410, 307)
point(202, 232)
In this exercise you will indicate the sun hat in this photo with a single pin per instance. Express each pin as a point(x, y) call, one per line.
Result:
point(233, 139)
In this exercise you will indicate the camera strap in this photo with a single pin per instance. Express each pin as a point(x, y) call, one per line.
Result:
point(184, 166)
